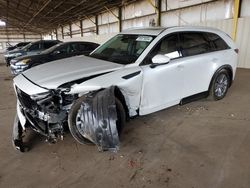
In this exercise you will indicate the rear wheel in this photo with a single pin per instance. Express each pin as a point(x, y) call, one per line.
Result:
point(219, 85)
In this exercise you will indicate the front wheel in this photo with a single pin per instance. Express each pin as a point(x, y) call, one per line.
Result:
point(75, 121)
point(219, 85)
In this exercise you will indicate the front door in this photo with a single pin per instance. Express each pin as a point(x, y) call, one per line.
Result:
point(162, 85)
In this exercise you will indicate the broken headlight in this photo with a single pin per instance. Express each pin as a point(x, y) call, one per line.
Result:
point(40, 96)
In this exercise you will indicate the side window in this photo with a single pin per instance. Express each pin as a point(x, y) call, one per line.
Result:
point(168, 46)
point(90, 47)
point(47, 45)
point(73, 47)
point(82, 47)
point(219, 43)
point(194, 43)
point(65, 49)
point(34, 47)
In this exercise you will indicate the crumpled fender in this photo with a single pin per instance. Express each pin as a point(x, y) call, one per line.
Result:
point(98, 115)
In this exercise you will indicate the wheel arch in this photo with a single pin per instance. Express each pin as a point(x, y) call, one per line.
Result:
point(228, 68)
point(120, 96)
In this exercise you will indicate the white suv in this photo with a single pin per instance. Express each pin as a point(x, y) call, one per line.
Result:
point(137, 72)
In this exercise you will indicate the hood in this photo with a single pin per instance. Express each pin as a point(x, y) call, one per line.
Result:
point(15, 51)
point(55, 73)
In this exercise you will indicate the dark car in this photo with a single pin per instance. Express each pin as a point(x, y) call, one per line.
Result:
point(17, 46)
point(30, 49)
point(59, 51)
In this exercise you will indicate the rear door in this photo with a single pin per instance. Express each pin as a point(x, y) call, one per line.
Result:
point(198, 62)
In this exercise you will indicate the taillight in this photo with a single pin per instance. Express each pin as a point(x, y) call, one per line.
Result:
point(236, 50)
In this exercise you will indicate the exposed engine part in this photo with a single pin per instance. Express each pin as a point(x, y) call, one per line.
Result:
point(95, 117)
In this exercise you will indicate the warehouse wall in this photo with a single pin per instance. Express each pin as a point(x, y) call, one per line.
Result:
point(142, 13)
point(213, 13)
point(11, 37)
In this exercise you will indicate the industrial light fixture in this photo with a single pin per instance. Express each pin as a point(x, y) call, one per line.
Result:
point(2, 23)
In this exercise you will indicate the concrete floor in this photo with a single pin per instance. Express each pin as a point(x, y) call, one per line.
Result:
point(199, 145)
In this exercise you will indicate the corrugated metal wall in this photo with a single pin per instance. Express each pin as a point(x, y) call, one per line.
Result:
point(243, 42)
point(210, 13)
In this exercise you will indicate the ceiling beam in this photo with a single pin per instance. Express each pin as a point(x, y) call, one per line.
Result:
point(38, 12)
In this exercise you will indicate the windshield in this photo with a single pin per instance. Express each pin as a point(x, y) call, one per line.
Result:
point(25, 48)
point(123, 49)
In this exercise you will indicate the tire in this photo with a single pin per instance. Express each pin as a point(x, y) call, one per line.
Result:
point(219, 85)
point(121, 118)
point(72, 122)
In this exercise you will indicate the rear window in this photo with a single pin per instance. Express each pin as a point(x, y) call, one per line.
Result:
point(194, 43)
point(218, 42)
point(81, 47)
point(91, 47)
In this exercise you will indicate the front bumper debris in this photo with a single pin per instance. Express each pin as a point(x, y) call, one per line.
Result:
point(17, 136)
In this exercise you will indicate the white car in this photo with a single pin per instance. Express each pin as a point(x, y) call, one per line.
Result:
point(137, 72)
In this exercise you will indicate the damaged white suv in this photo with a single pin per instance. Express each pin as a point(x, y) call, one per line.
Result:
point(137, 72)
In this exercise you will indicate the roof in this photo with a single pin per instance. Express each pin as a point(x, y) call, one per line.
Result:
point(193, 27)
point(145, 31)
point(158, 30)
point(85, 42)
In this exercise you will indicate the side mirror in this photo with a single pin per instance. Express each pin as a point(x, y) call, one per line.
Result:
point(159, 59)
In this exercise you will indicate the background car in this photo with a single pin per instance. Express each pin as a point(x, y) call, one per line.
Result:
point(17, 46)
point(30, 49)
point(59, 51)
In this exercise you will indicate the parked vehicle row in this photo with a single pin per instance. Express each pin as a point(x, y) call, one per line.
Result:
point(44, 51)
point(135, 73)
point(58, 51)
point(30, 49)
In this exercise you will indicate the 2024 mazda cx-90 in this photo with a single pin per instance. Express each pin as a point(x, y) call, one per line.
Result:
point(137, 72)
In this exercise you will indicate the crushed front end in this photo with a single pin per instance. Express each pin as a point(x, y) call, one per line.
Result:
point(47, 112)
point(43, 110)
